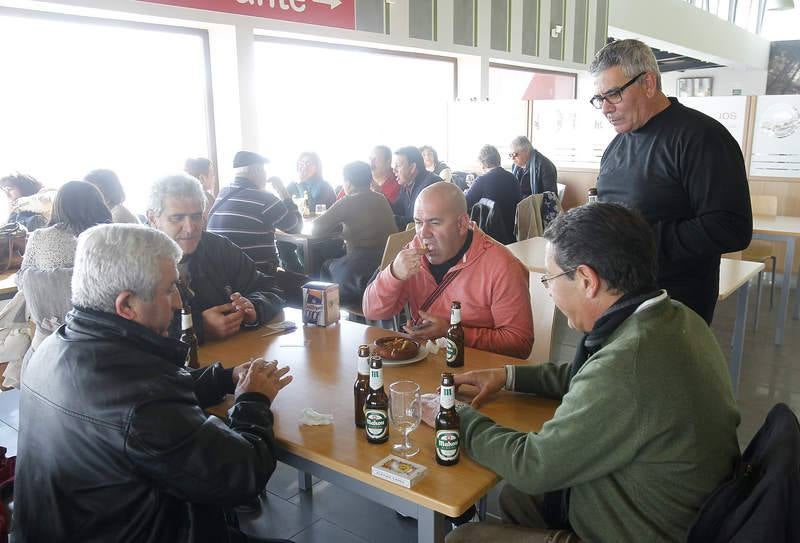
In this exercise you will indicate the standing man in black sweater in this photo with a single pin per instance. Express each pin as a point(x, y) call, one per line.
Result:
point(680, 168)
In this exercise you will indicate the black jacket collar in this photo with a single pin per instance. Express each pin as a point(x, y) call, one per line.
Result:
point(84, 324)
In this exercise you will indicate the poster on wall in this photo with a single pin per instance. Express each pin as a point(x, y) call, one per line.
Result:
point(783, 76)
point(571, 132)
point(728, 110)
point(776, 137)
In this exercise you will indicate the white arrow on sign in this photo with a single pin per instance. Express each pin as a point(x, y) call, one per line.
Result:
point(332, 3)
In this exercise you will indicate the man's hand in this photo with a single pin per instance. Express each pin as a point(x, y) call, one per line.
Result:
point(486, 381)
point(428, 326)
point(279, 188)
point(245, 307)
point(265, 378)
point(240, 370)
point(407, 263)
point(221, 321)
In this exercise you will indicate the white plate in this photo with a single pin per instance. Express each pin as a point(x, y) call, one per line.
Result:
point(423, 352)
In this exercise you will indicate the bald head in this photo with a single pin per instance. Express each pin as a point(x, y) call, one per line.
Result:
point(445, 196)
point(441, 221)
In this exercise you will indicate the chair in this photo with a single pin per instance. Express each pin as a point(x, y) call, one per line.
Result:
point(534, 214)
point(761, 500)
point(762, 251)
point(561, 189)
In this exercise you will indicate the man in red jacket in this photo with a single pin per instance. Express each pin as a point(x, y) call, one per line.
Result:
point(451, 259)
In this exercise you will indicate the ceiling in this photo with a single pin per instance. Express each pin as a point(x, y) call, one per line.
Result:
point(674, 62)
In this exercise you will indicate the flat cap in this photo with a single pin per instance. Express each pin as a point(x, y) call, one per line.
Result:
point(248, 158)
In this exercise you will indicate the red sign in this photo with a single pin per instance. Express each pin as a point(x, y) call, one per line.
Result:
point(338, 13)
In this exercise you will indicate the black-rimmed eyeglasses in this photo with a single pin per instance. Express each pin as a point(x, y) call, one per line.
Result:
point(547, 278)
point(613, 96)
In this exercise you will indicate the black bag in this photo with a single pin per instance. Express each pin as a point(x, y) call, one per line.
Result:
point(13, 237)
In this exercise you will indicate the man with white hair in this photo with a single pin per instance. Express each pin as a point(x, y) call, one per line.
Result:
point(114, 444)
point(226, 290)
point(680, 168)
point(450, 259)
point(535, 172)
point(248, 215)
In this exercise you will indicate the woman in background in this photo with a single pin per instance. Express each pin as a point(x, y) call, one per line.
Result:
point(113, 193)
point(433, 164)
point(29, 203)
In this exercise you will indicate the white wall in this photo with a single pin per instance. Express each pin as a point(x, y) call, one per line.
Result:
point(751, 82)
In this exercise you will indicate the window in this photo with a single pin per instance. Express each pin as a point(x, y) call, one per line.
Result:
point(80, 94)
point(340, 102)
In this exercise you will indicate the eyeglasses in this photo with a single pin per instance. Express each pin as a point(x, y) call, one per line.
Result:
point(513, 155)
point(547, 278)
point(613, 96)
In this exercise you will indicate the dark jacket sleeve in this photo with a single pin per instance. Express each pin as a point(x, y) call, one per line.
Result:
point(714, 178)
point(197, 458)
point(475, 192)
point(546, 173)
point(212, 383)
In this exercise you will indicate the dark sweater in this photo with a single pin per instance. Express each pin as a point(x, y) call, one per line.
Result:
point(685, 173)
point(501, 186)
point(403, 207)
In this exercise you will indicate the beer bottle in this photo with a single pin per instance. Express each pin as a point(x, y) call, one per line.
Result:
point(361, 386)
point(454, 355)
point(592, 198)
point(448, 435)
point(376, 406)
point(189, 338)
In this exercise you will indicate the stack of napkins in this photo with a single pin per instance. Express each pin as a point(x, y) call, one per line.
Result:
point(399, 471)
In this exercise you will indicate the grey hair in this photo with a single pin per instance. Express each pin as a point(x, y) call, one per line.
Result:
point(521, 143)
point(114, 258)
point(633, 56)
point(177, 185)
point(250, 171)
point(489, 156)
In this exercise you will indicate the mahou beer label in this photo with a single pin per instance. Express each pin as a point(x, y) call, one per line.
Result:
point(376, 422)
point(447, 444)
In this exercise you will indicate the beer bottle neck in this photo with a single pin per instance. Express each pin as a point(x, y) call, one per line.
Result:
point(455, 316)
point(376, 378)
point(447, 396)
point(186, 321)
point(363, 365)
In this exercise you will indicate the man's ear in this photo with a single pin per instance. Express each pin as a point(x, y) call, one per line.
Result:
point(651, 84)
point(590, 281)
point(125, 305)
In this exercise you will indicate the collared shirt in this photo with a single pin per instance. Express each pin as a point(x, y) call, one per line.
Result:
point(390, 188)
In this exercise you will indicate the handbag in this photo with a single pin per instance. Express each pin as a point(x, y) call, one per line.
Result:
point(13, 237)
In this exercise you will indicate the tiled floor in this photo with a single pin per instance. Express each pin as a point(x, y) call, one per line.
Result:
point(770, 374)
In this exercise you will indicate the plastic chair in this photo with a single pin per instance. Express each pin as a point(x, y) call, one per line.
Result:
point(762, 251)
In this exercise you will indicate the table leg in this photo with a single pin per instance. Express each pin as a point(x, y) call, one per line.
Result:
point(788, 262)
point(431, 526)
point(308, 259)
point(738, 335)
point(304, 480)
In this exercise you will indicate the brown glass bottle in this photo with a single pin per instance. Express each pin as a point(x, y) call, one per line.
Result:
point(188, 337)
point(361, 386)
point(376, 406)
point(592, 196)
point(448, 434)
point(454, 354)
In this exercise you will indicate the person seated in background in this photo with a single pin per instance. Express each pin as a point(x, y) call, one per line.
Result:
point(309, 174)
point(535, 172)
point(203, 170)
point(367, 221)
point(409, 168)
point(646, 429)
point(452, 260)
point(383, 178)
point(50, 252)
point(248, 215)
point(114, 443)
point(227, 292)
point(29, 202)
point(111, 189)
point(500, 186)
point(433, 164)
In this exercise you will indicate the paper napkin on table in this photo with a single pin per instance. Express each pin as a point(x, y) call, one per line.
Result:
point(310, 417)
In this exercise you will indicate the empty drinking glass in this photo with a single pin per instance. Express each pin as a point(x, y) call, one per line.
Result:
point(405, 413)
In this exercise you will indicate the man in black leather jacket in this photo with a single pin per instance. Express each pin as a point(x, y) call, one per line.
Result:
point(227, 290)
point(114, 444)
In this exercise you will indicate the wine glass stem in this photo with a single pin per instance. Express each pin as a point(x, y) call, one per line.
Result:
point(406, 446)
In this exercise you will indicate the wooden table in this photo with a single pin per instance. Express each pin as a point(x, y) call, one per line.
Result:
point(309, 243)
point(8, 284)
point(734, 275)
point(787, 230)
point(323, 363)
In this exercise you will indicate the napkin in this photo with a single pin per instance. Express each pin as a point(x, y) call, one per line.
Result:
point(310, 417)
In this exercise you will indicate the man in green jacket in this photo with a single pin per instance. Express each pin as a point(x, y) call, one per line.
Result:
point(646, 429)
